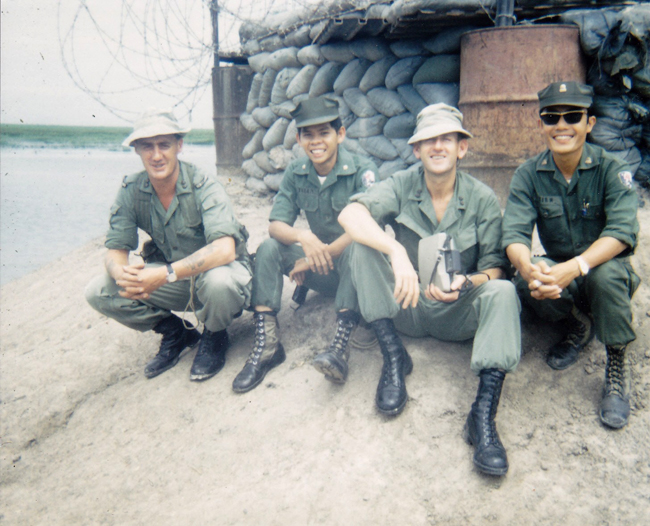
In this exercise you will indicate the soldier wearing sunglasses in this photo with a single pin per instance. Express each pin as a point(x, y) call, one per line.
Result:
point(581, 199)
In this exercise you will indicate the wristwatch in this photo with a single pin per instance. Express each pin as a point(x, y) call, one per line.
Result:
point(171, 275)
point(583, 265)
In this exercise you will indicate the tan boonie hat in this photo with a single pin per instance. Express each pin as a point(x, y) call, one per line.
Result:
point(152, 123)
point(315, 111)
point(566, 94)
point(438, 119)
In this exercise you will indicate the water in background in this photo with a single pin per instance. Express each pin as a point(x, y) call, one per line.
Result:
point(54, 200)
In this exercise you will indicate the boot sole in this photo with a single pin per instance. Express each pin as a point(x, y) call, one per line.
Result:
point(330, 372)
point(271, 365)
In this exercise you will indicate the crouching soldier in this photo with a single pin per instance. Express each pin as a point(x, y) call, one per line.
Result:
point(196, 257)
point(430, 198)
point(320, 185)
point(582, 201)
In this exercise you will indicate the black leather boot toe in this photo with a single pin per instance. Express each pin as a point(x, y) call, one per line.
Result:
point(211, 356)
point(175, 338)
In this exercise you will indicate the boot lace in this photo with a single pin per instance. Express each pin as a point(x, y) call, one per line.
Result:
point(615, 371)
point(260, 341)
point(341, 338)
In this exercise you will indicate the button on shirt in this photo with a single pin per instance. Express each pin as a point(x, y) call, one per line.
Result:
point(472, 217)
point(301, 190)
point(599, 201)
point(199, 213)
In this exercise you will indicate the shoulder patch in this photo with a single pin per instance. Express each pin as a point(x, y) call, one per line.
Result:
point(626, 178)
point(368, 178)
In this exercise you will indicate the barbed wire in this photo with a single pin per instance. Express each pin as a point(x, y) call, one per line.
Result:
point(121, 51)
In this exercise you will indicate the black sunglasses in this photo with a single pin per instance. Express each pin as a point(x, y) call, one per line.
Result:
point(570, 117)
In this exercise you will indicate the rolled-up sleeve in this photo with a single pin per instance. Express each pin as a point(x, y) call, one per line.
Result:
point(381, 200)
point(621, 204)
point(520, 214)
point(217, 214)
point(123, 229)
point(285, 207)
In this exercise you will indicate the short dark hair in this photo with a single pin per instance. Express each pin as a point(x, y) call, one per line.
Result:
point(336, 124)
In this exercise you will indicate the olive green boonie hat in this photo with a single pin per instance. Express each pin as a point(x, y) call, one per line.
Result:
point(152, 123)
point(438, 119)
point(315, 111)
point(566, 94)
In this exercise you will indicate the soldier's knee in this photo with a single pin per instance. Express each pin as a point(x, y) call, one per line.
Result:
point(269, 249)
point(95, 292)
point(605, 276)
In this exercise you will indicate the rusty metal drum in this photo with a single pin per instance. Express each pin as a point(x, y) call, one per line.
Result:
point(502, 69)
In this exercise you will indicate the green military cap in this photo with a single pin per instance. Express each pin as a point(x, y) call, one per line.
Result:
point(315, 111)
point(566, 94)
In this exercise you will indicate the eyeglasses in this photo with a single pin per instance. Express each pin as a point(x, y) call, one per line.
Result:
point(570, 117)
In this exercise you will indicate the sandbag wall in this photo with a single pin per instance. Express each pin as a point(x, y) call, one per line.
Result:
point(380, 85)
point(617, 44)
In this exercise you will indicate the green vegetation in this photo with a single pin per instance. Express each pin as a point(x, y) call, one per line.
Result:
point(109, 138)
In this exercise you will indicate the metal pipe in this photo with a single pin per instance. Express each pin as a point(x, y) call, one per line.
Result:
point(505, 13)
point(214, 9)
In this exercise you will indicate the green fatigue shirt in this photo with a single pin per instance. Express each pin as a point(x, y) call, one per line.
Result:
point(199, 214)
point(599, 201)
point(472, 218)
point(301, 190)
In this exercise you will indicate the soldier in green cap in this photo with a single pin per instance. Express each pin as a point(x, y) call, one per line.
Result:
point(196, 257)
point(581, 199)
point(430, 199)
point(320, 185)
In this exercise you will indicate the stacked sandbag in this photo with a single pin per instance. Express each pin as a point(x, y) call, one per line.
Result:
point(616, 41)
point(380, 85)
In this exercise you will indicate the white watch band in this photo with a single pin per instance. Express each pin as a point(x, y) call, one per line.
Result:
point(584, 266)
point(171, 275)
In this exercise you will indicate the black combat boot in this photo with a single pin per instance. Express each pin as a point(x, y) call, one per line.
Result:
point(579, 332)
point(211, 356)
point(391, 391)
point(480, 428)
point(267, 353)
point(175, 337)
point(333, 363)
point(615, 405)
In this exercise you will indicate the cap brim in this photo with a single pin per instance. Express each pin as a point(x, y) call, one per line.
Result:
point(323, 119)
point(153, 131)
point(434, 131)
point(579, 102)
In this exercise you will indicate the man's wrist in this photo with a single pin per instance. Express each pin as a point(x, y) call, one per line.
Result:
point(583, 266)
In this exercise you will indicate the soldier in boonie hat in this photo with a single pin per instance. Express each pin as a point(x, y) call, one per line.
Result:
point(154, 122)
point(566, 94)
point(196, 255)
point(319, 110)
point(438, 119)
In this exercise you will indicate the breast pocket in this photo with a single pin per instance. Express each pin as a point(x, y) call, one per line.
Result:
point(593, 222)
point(552, 223)
point(307, 201)
point(192, 223)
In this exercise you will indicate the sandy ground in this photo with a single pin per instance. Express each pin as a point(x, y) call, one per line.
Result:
point(87, 439)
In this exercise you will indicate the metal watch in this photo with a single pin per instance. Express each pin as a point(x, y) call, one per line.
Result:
point(171, 275)
point(584, 266)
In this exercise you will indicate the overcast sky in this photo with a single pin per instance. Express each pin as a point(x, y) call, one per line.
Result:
point(35, 87)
